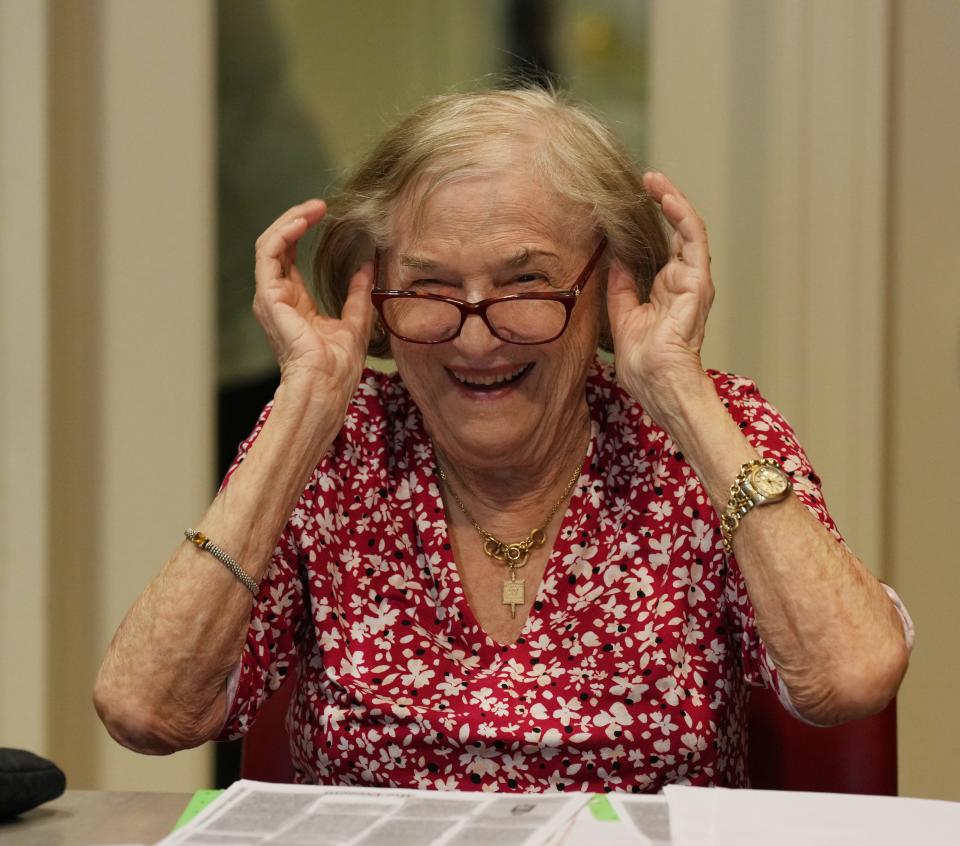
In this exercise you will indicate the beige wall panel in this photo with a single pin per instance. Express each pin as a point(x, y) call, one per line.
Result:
point(24, 386)
point(131, 372)
point(924, 362)
point(871, 381)
point(691, 98)
point(844, 280)
point(158, 338)
point(771, 116)
point(75, 444)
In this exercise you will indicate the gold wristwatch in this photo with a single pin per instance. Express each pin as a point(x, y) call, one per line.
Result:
point(759, 482)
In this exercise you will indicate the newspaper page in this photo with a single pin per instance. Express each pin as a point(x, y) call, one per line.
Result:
point(649, 816)
point(251, 813)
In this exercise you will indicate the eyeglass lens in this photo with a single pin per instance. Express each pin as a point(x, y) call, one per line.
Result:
point(515, 321)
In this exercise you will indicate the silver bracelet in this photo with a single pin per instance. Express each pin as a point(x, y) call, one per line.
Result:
point(201, 541)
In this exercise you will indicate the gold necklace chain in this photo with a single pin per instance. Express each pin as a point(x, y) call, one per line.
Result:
point(513, 555)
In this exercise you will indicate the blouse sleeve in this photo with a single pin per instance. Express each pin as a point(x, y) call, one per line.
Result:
point(269, 651)
point(770, 434)
point(281, 630)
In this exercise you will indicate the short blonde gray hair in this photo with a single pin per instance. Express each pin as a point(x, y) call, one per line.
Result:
point(449, 136)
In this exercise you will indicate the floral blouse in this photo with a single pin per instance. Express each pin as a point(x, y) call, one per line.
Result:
point(630, 673)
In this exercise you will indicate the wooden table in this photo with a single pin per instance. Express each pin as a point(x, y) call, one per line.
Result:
point(88, 817)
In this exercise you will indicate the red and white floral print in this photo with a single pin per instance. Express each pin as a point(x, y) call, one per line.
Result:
point(630, 673)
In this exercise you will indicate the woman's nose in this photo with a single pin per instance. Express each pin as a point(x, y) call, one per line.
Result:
point(475, 338)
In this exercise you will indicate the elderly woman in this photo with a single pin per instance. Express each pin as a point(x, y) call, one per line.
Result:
point(507, 566)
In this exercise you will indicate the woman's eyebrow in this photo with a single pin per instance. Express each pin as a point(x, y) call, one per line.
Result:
point(518, 259)
point(417, 262)
point(524, 254)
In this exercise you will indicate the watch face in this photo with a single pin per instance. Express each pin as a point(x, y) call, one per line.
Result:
point(770, 481)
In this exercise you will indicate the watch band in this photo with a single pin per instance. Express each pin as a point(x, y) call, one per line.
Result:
point(744, 496)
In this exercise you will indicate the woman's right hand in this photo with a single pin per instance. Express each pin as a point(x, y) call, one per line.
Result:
point(306, 343)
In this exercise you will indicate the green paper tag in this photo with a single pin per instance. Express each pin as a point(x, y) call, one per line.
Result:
point(200, 800)
point(602, 810)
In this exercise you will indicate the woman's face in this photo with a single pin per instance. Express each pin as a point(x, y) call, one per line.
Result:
point(486, 402)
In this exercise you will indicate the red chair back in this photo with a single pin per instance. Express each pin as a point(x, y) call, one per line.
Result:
point(266, 746)
point(785, 754)
point(856, 757)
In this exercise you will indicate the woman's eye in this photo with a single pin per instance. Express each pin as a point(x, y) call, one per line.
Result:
point(432, 286)
point(532, 278)
point(531, 281)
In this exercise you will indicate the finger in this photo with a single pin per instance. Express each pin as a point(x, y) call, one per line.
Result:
point(678, 210)
point(657, 184)
point(311, 210)
point(683, 217)
point(277, 249)
point(358, 309)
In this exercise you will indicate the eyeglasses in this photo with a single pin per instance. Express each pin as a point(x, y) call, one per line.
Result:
point(534, 318)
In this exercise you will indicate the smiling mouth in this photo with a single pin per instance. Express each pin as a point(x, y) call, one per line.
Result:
point(491, 383)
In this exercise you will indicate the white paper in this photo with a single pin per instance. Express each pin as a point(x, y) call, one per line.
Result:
point(692, 815)
point(647, 817)
point(717, 817)
point(252, 813)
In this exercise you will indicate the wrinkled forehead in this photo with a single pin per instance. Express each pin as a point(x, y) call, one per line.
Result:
point(488, 198)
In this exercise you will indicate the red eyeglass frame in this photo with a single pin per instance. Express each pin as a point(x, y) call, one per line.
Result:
point(568, 299)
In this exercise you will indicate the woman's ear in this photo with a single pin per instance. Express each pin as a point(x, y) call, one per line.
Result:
point(379, 340)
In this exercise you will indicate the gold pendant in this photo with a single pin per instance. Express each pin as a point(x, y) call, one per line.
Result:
point(513, 593)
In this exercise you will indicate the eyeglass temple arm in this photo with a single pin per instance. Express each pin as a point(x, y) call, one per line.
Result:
point(591, 265)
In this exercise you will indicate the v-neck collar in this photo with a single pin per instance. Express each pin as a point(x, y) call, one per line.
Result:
point(557, 588)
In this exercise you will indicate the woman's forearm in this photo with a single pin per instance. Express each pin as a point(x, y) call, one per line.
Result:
point(829, 626)
point(161, 686)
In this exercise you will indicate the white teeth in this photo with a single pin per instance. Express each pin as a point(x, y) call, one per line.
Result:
point(486, 381)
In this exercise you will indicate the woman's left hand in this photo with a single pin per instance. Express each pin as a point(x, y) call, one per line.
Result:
point(657, 343)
